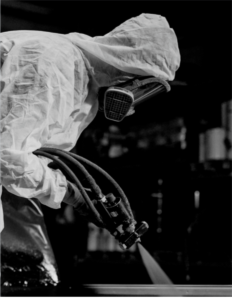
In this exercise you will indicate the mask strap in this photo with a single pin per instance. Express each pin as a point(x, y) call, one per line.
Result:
point(138, 83)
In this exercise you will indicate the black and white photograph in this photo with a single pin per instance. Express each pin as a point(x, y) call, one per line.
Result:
point(116, 148)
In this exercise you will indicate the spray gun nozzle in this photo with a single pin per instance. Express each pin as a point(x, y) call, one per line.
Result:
point(128, 240)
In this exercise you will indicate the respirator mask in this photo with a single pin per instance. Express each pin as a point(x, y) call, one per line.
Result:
point(118, 101)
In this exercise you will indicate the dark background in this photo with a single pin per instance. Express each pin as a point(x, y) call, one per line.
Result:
point(202, 84)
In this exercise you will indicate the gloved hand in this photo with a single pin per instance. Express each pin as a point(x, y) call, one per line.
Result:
point(74, 198)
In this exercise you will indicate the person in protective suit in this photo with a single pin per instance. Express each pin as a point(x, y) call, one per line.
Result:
point(49, 95)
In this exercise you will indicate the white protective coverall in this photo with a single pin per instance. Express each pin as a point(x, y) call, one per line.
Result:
point(49, 85)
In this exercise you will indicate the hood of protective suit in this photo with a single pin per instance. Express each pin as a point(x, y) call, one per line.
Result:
point(144, 45)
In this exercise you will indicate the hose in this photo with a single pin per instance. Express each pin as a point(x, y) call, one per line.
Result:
point(65, 155)
point(58, 152)
point(94, 187)
point(73, 177)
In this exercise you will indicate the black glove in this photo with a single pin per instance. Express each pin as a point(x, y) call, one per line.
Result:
point(74, 198)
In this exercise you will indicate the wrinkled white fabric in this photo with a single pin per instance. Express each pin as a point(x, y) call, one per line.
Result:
point(144, 45)
point(49, 92)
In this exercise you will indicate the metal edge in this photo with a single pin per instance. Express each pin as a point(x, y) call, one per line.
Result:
point(161, 290)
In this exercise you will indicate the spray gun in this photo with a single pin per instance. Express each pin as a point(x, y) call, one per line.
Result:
point(118, 220)
point(113, 211)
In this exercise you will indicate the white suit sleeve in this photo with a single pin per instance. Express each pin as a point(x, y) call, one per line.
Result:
point(23, 173)
point(45, 82)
